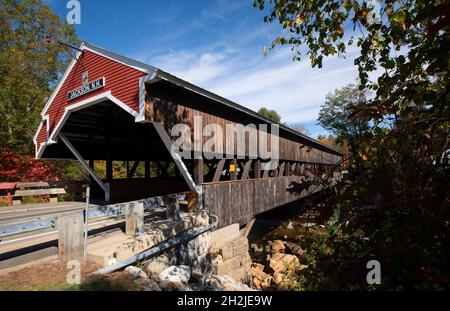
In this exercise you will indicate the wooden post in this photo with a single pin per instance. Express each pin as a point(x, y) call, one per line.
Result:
point(134, 222)
point(70, 237)
point(281, 169)
point(198, 171)
point(266, 174)
point(108, 157)
point(257, 169)
point(246, 172)
point(109, 173)
point(219, 170)
point(287, 169)
point(172, 207)
point(233, 174)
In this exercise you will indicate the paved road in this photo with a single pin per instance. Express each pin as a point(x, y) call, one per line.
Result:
point(30, 212)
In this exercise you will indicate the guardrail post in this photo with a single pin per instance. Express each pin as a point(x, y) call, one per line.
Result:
point(172, 207)
point(70, 237)
point(134, 218)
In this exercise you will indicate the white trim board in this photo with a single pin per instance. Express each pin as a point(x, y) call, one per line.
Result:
point(53, 137)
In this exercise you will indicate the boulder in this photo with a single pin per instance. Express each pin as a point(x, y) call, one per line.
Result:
point(175, 277)
point(223, 283)
point(147, 285)
point(257, 283)
point(281, 262)
point(154, 267)
point(278, 278)
point(261, 275)
point(141, 279)
point(136, 272)
point(258, 266)
point(256, 248)
point(295, 249)
point(277, 246)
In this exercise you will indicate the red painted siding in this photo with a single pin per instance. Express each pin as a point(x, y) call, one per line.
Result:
point(121, 80)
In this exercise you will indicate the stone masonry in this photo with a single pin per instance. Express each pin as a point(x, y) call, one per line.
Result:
point(229, 253)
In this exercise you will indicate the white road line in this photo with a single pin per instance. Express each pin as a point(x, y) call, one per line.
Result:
point(28, 237)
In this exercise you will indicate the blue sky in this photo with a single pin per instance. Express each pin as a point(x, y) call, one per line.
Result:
point(218, 45)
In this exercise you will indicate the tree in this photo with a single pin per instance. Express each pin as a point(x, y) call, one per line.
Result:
point(407, 41)
point(397, 209)
point(301, 128)
point(270, 114)
point(29, 68)
point(335, 116)
point(26, 168)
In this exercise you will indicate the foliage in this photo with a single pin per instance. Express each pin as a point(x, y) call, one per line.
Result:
point(26, 169)
point(29, 67)
point(335, 113)
point(270, 114)
point(336, 116)
point(300, 127)
point(396, 209)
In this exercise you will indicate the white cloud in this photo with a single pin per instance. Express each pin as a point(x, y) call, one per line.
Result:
point(233, 66)
point(191, 67)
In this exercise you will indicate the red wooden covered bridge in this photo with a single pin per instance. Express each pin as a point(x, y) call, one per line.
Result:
point(111, 108)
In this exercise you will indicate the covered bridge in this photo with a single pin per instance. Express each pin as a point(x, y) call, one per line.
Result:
point(107, 107)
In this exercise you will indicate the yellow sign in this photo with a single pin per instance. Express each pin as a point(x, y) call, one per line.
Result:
point(232, 169)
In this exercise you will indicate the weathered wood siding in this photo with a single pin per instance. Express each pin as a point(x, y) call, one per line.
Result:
point(170, 107)
point(240, 201)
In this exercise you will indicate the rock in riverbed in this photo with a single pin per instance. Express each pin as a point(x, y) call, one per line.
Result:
point(282, 262)
point(141, 279)
point(175, 277)
point(295, 249)
point(223, 283)
point(260, 278)
point(276, 246)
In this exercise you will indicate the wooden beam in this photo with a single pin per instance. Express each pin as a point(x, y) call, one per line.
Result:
point(246, 172)
point(257, 169)
point(198, 171)
point(104, 186)
point(266, 174)
point(133, 169)
point(175, 156)
point(219, 170)
point(281, 169)
point(109, 167)
point(82, 172)
point(275, 173)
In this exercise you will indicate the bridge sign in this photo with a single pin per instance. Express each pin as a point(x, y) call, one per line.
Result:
point(85, 89)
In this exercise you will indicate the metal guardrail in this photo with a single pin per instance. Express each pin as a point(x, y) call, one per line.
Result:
point(115, 210)
point(28, 226)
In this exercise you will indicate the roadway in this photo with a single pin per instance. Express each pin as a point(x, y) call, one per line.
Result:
point(32, 246)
